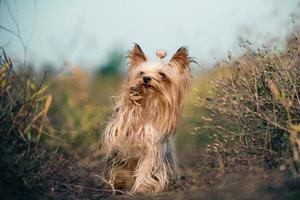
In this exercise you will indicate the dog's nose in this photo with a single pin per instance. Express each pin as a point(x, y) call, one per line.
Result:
point(146, 79)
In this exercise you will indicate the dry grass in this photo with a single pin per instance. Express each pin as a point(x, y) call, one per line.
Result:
point(32, 165)
point(255, 111)
point(24, 107)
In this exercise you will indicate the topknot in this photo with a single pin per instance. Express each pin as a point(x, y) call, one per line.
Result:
point(161, 53)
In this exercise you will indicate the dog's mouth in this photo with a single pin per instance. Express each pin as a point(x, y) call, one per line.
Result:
point(142, 89)
point(148, 86)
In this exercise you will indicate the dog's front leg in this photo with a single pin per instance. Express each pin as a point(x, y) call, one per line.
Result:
point(152, 173)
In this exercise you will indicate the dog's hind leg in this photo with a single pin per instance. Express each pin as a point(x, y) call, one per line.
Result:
point(170, 160)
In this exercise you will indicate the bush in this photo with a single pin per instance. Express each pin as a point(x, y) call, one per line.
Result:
point(23, 109)
point(255, 110)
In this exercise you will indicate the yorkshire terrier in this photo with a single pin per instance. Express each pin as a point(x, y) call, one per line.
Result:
point(139, 135)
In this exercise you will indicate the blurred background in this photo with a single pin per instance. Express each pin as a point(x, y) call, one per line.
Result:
point(86, 33)
point(70, 57)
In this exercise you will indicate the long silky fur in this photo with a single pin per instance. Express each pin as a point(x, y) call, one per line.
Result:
point(139, 135)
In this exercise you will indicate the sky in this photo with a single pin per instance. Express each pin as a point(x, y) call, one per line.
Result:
point(85, 32)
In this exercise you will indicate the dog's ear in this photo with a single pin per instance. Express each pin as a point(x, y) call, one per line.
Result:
point(181, 58)
point(136, 56)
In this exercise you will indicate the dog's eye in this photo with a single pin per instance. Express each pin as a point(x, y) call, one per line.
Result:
point(163, 75)
point(141, 73)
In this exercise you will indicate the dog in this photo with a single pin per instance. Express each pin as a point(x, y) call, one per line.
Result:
point(139, 136)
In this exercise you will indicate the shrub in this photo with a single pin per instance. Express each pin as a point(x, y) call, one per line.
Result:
point(23, 110)
point(255, 110)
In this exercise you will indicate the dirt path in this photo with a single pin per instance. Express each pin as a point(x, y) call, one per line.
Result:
point(82, 180)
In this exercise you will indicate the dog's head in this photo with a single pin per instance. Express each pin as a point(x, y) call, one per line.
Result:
point(167, 81)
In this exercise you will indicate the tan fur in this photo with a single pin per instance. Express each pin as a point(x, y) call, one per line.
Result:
point(139, 134)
